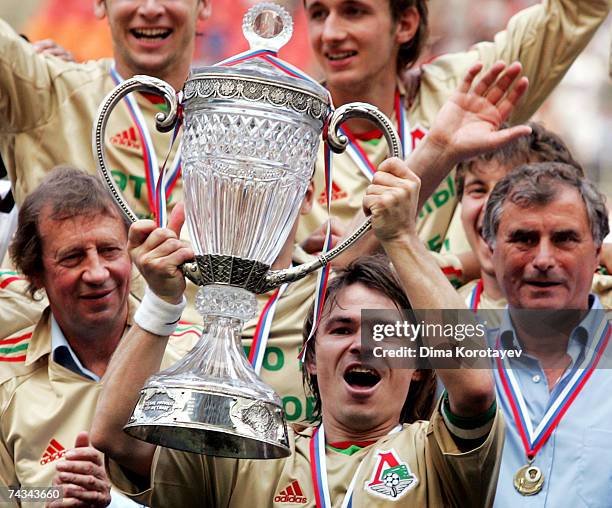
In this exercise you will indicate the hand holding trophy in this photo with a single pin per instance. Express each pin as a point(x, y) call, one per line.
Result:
point(251, 132)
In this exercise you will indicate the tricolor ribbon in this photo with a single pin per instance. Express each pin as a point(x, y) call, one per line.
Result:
point(534, 440)
point(323, 276)
point(159, 182)
point(262, 330)
point(362, 160)
point(403, 125)
point(268, 56)
point(358, 154)
point(476, 295)
point(162, 184)
point(318, 470)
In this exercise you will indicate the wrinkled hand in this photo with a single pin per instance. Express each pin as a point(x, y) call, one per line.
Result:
point(468, 123)
point(82, 477)
point(50, 47)
point(392, 200)
point(158, 254)
point(314, 243)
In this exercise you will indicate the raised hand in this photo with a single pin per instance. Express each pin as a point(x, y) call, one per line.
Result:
point(392, 200)
point(50, 47)
point(158, 253)
point(468, 123)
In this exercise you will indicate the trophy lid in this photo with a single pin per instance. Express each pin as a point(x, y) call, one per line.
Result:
point(267, 27)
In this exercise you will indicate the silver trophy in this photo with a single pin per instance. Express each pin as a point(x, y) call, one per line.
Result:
point(251, 133)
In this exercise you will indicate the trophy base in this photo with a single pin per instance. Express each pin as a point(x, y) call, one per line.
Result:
point(210, 420)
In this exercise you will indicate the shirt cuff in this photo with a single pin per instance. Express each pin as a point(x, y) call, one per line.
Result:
point(472, 427)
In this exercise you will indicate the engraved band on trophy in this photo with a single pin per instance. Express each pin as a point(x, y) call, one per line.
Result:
point(251, 134)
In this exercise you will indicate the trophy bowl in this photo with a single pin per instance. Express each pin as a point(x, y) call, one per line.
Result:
point(251, 131)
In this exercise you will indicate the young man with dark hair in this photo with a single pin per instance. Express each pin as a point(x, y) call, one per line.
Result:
point(363, 46)
point(373, 272)
point(370, 456)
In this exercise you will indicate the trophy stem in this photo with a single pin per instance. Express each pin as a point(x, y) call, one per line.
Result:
point(212, 401)
point(227, 301)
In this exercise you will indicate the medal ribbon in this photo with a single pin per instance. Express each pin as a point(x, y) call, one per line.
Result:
point(156, 192)
point(475, 295)
point(161, 186)
point(532, 440)
point(262, 330)
point(318, 470)
point(403, 125)
point(358, 154)
point(270, 57)
point(323, 276)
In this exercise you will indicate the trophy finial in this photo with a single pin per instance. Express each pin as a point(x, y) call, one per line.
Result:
point(267, 26)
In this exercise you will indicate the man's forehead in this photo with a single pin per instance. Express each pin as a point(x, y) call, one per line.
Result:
point(487, 169)
point(339, 312)
point(565, 211)
point(76, 226)
point(354, 306)
point(50, 218)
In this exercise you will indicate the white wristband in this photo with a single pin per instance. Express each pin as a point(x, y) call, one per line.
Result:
point(158, 316)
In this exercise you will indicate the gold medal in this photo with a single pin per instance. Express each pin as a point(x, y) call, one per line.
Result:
point(528, 480)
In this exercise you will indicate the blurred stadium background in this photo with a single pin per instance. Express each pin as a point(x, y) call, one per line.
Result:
point(580, 110)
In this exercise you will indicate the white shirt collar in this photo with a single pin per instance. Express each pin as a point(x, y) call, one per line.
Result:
point(64, 355)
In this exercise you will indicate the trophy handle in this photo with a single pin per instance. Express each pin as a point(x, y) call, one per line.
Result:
point(338, 143)
point(164, 122)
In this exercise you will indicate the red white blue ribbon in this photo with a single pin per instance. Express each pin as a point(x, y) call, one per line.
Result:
point(476, 295)
point(323, 276)
point(270, 57)
point(362, 160)
point(403, 125)
point(262, 330)
point(358, 154)
point(161, 185)
point(318, 470)
point(159, 182)
point(534, 439)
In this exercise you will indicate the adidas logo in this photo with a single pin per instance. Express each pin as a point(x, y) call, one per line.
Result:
point(291, 494)
point(53, 452)
point(127, 138)
point(337, 193)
